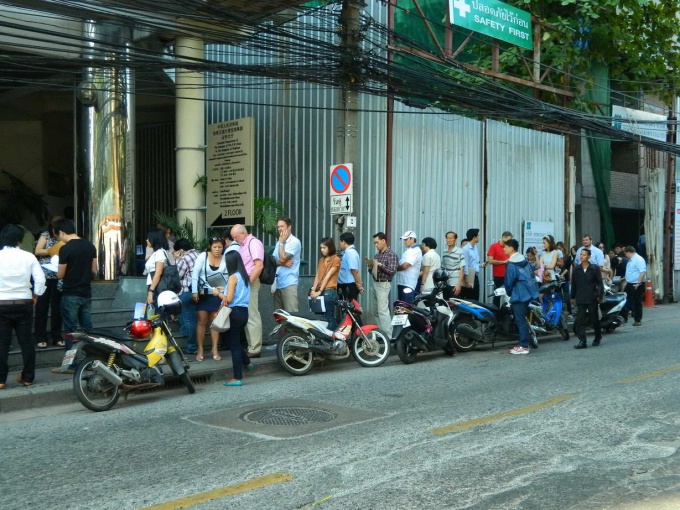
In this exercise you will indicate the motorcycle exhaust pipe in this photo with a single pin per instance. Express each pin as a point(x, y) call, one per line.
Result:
point(106, 372)
point(539, 329)
point(470, 332)
point(308, 347)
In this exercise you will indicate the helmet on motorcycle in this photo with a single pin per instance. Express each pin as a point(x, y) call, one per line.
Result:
point(141, 328)
point(169, 303)
point(440, 275)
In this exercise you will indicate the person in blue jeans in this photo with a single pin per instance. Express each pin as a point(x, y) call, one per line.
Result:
point(520, 284)
point(236, 296)
point(77, 266)
point(186, 256)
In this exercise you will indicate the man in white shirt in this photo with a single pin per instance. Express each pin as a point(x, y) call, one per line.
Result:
point(636, 277)
point(17, 299)
point(409, 267)
point(430, 263)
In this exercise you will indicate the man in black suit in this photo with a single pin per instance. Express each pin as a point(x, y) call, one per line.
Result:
point(586, 291)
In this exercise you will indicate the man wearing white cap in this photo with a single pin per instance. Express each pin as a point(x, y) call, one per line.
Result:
point(409, 267)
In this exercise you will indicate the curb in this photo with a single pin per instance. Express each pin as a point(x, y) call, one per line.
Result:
point(61, 392)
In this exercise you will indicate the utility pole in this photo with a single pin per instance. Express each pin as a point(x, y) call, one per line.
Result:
point(347, 138)
point(670, 206)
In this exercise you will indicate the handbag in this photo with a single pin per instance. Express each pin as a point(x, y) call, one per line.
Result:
point(221, 321)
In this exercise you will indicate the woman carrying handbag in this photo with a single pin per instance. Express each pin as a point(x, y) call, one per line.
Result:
point(236, 296)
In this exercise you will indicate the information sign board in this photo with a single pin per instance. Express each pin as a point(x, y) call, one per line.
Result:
point(495, 19)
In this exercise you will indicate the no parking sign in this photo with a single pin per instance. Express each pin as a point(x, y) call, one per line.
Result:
point(341, 189)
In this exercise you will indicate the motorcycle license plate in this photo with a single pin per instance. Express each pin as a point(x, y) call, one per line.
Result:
point(400, 320)
point(69, 358)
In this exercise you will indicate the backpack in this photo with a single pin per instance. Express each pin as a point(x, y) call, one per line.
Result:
point(169, 279)
point(268, 273)
point(268, 270)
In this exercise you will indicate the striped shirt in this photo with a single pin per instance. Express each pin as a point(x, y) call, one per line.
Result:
point(184, 266)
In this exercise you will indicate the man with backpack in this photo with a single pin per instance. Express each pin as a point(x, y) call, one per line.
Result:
point(252, 253)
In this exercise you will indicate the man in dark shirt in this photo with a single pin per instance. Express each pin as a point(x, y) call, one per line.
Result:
point(586, 291)
point(383, 267)
point(77, 264)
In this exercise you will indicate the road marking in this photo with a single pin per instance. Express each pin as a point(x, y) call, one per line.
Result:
point(650, 374)
point(456, 427)
point(222, 492)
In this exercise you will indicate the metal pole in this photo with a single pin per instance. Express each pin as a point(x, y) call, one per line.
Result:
point(670, 206)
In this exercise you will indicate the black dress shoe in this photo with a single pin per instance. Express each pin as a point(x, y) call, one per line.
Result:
point(581, 345)
point(256, 355)
point(596, 342)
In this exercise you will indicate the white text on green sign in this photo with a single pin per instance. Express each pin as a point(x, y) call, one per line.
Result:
point(493, 18)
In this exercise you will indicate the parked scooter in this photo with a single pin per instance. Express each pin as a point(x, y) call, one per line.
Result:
point(301, 341)
point(425, 324)
point(546, 316)
point(478, 322)
point(115, 366)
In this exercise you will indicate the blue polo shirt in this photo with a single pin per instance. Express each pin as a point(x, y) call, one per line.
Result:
point(350, 260)
point(596, 256)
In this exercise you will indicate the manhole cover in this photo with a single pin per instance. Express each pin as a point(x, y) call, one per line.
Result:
point(287, 416)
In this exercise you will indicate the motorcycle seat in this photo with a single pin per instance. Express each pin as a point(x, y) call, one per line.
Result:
point(614, 298)
point(489, 306)
point(110, 334)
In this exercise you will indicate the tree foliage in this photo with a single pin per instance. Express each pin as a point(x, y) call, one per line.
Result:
point(635, 39)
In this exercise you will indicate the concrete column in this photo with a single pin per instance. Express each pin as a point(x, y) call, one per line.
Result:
point(105, 148)
point(190, 135)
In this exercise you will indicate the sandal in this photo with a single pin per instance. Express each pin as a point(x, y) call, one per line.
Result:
point(217, 357)
point(199, 357)
point(41, 345)
point(3, 386)
point(60, 343)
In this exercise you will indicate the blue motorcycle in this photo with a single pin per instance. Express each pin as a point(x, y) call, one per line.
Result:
point(478, 322)
point(546, 316)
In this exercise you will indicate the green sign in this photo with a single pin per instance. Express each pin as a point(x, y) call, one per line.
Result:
point(493, 18)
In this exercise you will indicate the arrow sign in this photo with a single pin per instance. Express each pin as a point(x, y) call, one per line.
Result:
point(340, 181)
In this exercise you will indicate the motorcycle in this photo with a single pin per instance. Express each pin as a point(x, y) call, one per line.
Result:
point(478, 322)
point(301, 341)
point(115, 366)
point(546, 316)
point(425, 324)
point(611, 307)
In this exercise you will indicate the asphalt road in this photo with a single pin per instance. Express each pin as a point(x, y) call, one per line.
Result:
point(557, 429)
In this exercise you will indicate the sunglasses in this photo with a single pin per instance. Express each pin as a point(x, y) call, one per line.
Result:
point(215, 239)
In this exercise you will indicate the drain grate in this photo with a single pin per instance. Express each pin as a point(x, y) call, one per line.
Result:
point(288, 416)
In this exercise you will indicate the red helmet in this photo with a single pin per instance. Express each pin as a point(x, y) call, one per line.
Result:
point(141, 329)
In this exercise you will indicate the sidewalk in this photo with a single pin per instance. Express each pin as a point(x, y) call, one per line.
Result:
point(56, 389)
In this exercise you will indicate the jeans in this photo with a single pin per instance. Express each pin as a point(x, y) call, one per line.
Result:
point(239, 358)
point(330, 297)
point(75, 310)
point(18, 318)
point(187, 321)
point(519, 313)
point(50, 299)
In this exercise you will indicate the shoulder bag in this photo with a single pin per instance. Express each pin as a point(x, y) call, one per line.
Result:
point(221, 321)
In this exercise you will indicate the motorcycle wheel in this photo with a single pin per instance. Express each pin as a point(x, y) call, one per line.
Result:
point(449, 348)
point(367, 357)
point(175, 362)
point(562, 328)
point(405, 352)
point(293, 361)
point(93, 390)
point(461, 342)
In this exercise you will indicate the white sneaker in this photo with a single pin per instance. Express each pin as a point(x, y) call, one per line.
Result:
point(519, 350)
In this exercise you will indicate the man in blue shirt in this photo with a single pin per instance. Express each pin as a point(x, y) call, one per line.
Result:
point(349, 279)
point(287, 254)
point(472, 264)
point(596, 255)
point(636, 276)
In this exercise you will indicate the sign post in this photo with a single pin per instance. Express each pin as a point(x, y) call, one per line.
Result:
point(495, 19)
point(230, 193)
point(341, 189)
